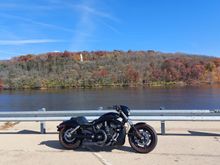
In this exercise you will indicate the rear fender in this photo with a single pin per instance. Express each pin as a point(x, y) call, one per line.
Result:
point(67, 123)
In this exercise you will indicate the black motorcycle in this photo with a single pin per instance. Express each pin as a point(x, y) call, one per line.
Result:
point(107, 130)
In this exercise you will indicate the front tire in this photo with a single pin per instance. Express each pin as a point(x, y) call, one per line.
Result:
point(148, 141)
point(68, 143)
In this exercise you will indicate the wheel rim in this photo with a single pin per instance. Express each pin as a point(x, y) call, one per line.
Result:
point(146, 139)
point(68, 136)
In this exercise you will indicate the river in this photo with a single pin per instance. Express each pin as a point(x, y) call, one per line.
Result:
point(206, 97)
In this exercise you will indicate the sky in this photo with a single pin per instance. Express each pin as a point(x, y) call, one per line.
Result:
point(33, 27)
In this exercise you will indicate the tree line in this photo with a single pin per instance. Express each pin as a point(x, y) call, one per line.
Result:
point(107, 68)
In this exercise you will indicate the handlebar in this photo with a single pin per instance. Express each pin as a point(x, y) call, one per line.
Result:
point(115, 107)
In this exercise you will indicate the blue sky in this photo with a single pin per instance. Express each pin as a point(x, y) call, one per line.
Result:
point(190, 26)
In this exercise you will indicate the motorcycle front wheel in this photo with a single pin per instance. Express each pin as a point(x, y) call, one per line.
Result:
point(147, 142)
point(67, 141)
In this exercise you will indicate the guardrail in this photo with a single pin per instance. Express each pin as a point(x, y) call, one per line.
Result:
point(161, 115)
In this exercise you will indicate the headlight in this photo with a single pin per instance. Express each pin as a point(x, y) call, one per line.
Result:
point(129, 112)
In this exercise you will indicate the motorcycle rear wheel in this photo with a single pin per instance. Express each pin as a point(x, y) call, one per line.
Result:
point(147, 143)
point(70, 144)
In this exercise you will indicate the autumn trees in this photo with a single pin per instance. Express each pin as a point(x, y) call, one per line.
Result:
point(104, 68)
point(183, 69)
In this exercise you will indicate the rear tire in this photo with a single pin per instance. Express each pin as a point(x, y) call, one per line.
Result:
point(70, 144)
point(149, 141)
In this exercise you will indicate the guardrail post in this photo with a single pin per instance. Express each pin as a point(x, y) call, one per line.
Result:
point(162, 124)
point(42, 123)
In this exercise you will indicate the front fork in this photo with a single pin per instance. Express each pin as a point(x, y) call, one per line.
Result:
point(136, 132)
point(128, 120)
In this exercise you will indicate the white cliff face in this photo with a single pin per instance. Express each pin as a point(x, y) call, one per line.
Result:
point(81, 57)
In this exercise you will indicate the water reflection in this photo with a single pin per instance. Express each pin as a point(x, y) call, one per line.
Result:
point(206, 97)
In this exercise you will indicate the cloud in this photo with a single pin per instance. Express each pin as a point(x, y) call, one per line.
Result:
point(90, 18)
point(29, 41)
point(96, 12)
point(37, 22)
point(8, 5)
point(110, 27)
point(84, 25)
point(28, 6)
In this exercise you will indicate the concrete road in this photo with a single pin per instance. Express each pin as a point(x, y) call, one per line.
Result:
point(186, 143)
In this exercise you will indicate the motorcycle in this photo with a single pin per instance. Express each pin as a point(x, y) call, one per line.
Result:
point(108, 130)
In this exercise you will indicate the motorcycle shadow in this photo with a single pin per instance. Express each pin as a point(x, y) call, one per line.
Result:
point(54, 144)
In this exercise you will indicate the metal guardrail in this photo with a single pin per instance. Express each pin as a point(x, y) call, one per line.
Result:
point(136, 115)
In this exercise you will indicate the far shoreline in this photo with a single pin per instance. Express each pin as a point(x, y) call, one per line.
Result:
point(122, 86)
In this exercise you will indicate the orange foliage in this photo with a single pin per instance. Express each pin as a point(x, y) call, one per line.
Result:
point(217, 62)
point(100, 74)
point(24, 58)
point(132, 74)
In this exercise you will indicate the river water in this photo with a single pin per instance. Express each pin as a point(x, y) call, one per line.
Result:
point(206, 97)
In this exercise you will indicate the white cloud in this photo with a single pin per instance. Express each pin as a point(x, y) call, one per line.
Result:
point(37, 22)
point(28, 6)
point(110, 27)
point(30, 41)
point(85, 8)
point(84, 25)
point(90, 16)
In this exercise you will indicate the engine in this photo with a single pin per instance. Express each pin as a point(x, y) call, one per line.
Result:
point(110, 133)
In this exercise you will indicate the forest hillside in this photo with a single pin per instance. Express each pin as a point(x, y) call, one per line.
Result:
point(104, 68)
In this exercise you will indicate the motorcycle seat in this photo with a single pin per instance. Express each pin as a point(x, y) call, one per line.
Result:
point(81, 120)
